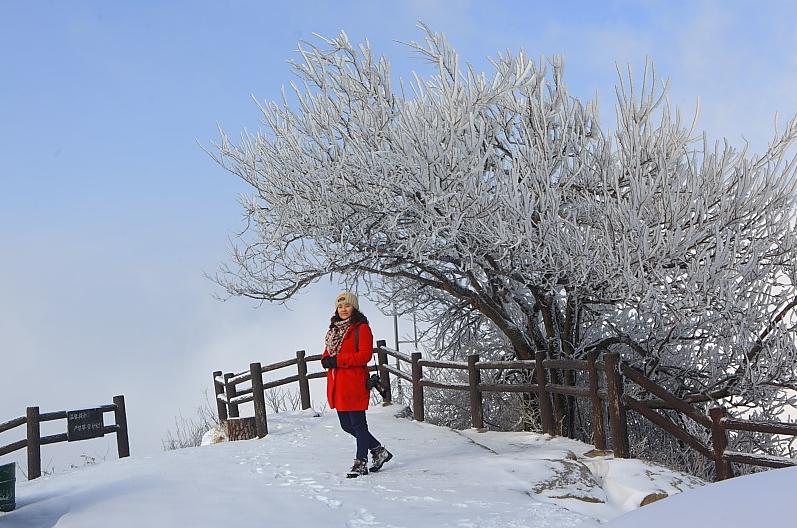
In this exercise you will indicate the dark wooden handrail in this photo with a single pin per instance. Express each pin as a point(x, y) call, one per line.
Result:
point(444, 364)
point(240, 400)
point(400, 373)
point(657, 390)
point(15, 446)
point(16, 422)
point(667, 424)
point(509, 387)
point(566, 364)
point(518, 364)
point(61, 415)
point(760, 427)
point(759, 459)
point(568, 390)
point(396, 354)
point(441, 385)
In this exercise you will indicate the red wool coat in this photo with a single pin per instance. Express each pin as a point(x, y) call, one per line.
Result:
point(346, 389)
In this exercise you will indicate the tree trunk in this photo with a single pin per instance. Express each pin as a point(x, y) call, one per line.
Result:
point(241, 428)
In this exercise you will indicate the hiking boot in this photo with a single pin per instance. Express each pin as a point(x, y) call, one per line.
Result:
point(379, 455)
point(359, 468)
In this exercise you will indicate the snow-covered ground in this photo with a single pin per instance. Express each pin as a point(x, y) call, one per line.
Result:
point(296, 477)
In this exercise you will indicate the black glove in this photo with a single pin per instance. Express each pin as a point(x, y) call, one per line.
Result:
point(329, 362)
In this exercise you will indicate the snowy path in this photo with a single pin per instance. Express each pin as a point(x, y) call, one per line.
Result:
point(295, 477)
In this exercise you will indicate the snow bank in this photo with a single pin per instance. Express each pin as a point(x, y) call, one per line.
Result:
point(762, 499)
point(296, 477)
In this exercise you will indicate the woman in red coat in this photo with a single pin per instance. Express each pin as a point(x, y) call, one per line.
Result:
point(349, 346)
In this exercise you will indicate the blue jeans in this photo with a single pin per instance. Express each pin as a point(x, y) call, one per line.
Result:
point(354, 423)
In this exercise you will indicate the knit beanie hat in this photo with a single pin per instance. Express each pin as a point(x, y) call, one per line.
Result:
point(347, 297)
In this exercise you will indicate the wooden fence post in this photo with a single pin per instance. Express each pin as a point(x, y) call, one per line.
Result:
point(598, 429)
point(34, 444)
point(384, 374)
point(474, 378)
point(546, 412)
point(120, 415)
point(304, 386)
point(258, 399)
point(557, 400)
point(218, 388)
point(617, 412)
point(232, 408)
point(417, 388)
point(719, 440)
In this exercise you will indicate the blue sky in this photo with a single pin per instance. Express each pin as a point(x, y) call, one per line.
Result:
point(110, 212)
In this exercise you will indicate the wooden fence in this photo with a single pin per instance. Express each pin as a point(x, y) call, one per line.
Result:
point(33, 440)
point(230, 395)
point(717, 423)
point(540, 371)
point(603, 389)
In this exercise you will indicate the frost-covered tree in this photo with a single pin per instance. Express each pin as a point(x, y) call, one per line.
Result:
point(499, 207)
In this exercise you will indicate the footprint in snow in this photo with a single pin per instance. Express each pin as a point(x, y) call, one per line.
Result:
point(332, 503)
point(415, 498)
point(364, 518)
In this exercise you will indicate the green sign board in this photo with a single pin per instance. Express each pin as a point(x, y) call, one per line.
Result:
point(7, 483)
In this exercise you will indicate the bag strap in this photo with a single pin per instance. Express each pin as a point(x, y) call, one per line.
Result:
point(357, 341)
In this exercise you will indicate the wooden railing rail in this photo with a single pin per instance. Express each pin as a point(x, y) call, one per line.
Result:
point(673, 401)
point(16, 422)
point(441, 385)
point(760, 460)
point(568, 390)
point(566, 364)
point(519, 364)
point(400, 373)
point(444, 364)
point(393, 353)
point(732, 424)
point(34, 440)
point(509, 387)
point(14, 446)
point(669, 426)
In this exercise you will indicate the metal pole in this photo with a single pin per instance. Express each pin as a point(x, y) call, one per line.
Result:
point(399, 388)
point(395, 329)
point(415, 329)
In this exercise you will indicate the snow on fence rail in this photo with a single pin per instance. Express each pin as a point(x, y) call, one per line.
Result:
point(604, 389)
point(81, 425)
